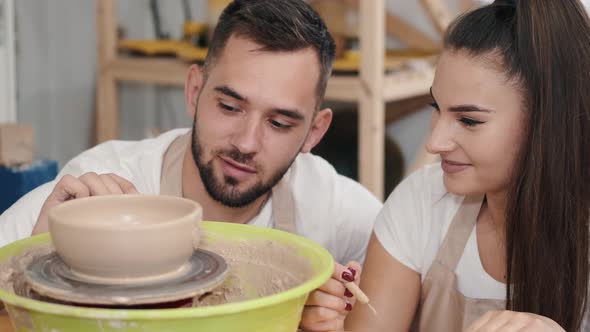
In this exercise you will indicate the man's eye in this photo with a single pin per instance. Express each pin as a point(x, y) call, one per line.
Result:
point(435, 106)
point(226, 107)
point(280, 125)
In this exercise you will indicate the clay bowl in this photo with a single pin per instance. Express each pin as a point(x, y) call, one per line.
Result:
point(126, 238)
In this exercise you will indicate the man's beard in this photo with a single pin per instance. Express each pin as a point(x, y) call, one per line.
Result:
point(225, 191)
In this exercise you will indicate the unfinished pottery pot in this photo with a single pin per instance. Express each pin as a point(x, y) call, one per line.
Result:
point(126, 238)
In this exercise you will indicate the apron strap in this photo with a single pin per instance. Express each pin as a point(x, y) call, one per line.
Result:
point(455, 240)
point(283, 205)
point(171, 175)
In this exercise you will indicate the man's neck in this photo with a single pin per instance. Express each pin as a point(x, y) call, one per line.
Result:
point(194, 189)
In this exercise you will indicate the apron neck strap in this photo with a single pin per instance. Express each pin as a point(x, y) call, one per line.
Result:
point(283, 205)
point(171, 175)
point(454, 243)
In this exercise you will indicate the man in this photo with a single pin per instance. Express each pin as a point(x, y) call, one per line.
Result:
point(256, 110)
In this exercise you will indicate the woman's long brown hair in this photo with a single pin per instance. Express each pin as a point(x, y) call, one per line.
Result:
point(544, 45)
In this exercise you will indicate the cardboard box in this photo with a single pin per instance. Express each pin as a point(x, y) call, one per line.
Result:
point(16, 144)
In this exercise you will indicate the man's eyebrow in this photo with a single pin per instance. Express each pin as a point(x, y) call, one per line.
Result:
point(293, 114)
point(226, 90)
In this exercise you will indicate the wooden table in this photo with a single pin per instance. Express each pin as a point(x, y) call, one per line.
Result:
point(5, 325)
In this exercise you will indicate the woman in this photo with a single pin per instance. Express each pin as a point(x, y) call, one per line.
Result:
point(502, 223)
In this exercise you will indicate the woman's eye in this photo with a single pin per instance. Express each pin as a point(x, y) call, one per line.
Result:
point(470, 122)
point(435, 106)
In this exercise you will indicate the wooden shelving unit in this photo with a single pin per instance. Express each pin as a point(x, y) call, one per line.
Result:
point(371, 89)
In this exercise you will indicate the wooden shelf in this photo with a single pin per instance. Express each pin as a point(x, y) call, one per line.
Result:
point(344, 88)
point(149, 70)
point(371, 89)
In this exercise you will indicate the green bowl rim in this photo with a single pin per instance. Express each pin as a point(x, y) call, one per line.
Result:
point(224, 309)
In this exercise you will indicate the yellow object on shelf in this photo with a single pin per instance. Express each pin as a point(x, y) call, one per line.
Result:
point(152, 47)
point(190, 53)
point(193, 28)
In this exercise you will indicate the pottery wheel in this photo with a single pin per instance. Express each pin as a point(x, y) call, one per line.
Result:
point(49, 276)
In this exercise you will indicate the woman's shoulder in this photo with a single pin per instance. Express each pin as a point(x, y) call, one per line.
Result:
point(415, 216)
point(425, 184)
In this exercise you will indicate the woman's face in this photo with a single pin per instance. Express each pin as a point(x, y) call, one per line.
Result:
point(477, 124)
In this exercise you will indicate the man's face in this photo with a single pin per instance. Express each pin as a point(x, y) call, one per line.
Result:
point(253, 115)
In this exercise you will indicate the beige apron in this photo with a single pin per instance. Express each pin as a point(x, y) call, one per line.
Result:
point(442, 306)
point(283, 203)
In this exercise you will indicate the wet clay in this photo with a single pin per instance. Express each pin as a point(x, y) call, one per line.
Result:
point(11, 272)
point(257, 268)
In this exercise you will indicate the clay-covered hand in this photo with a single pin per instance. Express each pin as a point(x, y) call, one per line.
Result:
point(89, 184)
point(328, 306)
point(507, 321)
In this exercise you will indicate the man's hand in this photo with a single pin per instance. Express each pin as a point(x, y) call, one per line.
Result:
point(508, 321)
point(328, 306)
point(89, 184)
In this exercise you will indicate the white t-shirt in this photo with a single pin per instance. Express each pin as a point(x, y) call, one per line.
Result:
point(332, 210)
point(413, 223)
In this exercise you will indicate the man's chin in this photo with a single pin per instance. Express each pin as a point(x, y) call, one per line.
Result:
point(236, 196)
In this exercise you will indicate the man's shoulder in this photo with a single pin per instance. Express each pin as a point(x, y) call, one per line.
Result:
point(426, 185)
point(128, 149)
point(137, 161)
point(332, 209)
point(121, 154)
point(316, 182)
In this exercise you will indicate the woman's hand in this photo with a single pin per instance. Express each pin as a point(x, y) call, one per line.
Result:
point(508, 321)
point(328, 306)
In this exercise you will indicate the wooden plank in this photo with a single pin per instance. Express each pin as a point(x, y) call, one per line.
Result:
point(106, 116)
point(408, 83)
point(406, 33)
point(149, 70)
point(439, 14)
point(371, 103)
point(343, 88)
point(398, 109)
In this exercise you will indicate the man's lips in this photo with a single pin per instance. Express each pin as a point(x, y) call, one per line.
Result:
point(239, 166)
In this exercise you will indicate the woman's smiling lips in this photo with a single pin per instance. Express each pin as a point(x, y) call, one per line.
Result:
point(452, 167)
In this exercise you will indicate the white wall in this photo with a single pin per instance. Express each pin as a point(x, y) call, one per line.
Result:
point(7, 65)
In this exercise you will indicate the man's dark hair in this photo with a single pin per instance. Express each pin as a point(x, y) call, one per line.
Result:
point(278, 26)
